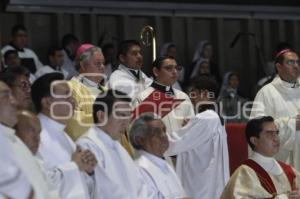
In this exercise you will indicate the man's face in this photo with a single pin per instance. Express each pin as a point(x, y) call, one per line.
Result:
point(20, 39)
point(268, 142)
point(95, 66)
point(61, 101)
point(167, 73)
point(157, 141)
point(204, 68)
point(57, 59)
point(13, 60)
point(28, 130)
point(22, 92)
point(233, 81)
point(133, 59)
point(8, 106)
point(289, 70)
point(207, 51)
point(118, 120)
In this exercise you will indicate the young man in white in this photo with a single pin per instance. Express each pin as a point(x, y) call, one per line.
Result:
point(116, 175)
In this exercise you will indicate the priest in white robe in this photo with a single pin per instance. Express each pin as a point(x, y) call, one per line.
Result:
point(281, 100)
point(71, 167)
point(201, 146)
point(116, 175)
point(148, 136)
point(20, 173)
point(261, 176)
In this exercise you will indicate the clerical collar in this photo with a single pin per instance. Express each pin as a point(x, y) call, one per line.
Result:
point(163, 88)
point(54, 125)
point(158, 161)
point(290, 84)
point(16, 48)
point(89, 83)
point(134, 72)
point(267, 163)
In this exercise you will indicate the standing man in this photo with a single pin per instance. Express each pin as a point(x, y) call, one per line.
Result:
point(116, 175)
point(261, 176)
point(19, 42)
point(56, 61)
point(129, 77)
point(281, 100)
point(180, 108)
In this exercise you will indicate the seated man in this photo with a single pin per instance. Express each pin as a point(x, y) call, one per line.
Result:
point(148, 135)
point(261, 176)
point(116, 175)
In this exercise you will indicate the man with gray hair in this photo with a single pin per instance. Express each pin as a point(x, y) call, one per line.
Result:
point(148, 136)
point(85, 87)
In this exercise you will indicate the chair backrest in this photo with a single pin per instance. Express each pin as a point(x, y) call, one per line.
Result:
point(237, 144)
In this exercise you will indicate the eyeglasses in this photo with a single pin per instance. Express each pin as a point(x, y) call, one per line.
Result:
point(292, 62)
point(170, 68)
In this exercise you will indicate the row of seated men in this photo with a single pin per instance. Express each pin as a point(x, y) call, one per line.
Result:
point(165, 125)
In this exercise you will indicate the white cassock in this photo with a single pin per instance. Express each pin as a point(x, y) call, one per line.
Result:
point(55, 150)
point(175, 119)
point(47, 69)
point(279, 100)
point(69, 66)
point(244, 182)
point(20, 171)
point(160, 176)
point(202, 156)
point(116, 175)
point(123, 80)
point(26, 53)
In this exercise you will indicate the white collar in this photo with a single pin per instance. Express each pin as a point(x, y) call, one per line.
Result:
point(8, 132)
point(104, 137)
point(56, 126)
point(161, 163)
point(288, 84)
point(127, 68)
point(267, 163)
point(89, 83)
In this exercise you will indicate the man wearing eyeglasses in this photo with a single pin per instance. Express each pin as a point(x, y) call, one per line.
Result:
point(173, 105)
point(261, 176)
point(281, 100)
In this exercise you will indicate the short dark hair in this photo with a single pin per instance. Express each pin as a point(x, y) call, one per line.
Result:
point(124, 47)
point(158, 62)
point(68, 38)
point(53, 49)
point(279, 59)
point(10, 74)
point(105, 102)
point(255, 126)
point(8, 53)
point(17, 28)
point(42, 88)
point(205, 82)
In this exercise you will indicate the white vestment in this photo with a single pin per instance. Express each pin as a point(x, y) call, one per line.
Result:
point(55, 150)
point(160, 176)
point(47, 69)
point(20, 170)
point(123, 80)
point(175, 119)
point(69, 66)
point(279, 100)
point(245, 184)
point(116, 175)
point(202, 156)
point(26, 53)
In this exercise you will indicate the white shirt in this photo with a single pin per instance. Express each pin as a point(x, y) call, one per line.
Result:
point(47, 69)
point(123, 80)
point(116, 175)
point(55, 150)
point(160, 176)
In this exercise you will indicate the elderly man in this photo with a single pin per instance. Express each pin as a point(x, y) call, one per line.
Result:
point(85, 88)
point(17, 78)
point(52, 99)
point(21, 176)
point(261, 176)
point(280, 99)
point(129, 77)
point(116, 175)
point(148, 136)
